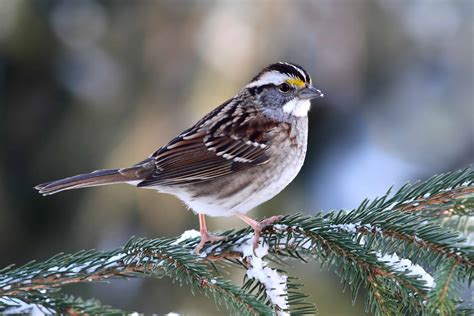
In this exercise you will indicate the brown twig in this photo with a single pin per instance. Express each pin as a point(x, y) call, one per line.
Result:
point(442, 198)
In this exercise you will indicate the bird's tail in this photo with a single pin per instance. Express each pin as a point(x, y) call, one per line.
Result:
point(99, 177)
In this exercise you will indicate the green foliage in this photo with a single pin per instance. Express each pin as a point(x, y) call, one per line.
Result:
point(445, 297)
point(54, 302)
point(408, 226)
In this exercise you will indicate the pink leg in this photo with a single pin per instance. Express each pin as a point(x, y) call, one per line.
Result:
point(205, 236)
point(202, 223)
point(259, 226)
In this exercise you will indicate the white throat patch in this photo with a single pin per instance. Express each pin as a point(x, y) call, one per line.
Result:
point(296, 107)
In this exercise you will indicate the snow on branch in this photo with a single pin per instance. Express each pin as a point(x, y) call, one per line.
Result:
point(407, 263)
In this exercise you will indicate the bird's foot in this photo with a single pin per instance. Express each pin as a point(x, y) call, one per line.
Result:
point(206, 237)
point(258, 227)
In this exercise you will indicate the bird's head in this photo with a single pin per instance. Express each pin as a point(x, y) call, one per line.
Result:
point(284, 88)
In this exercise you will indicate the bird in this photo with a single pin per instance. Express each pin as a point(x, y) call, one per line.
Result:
point(238, 156)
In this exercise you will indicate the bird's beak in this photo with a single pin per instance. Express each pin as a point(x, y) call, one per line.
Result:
point(310, 92)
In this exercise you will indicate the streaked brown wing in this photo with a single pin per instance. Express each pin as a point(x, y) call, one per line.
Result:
point(214, 148)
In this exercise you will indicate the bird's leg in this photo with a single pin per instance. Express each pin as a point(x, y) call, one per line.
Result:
point(259, 226)
point(205, 236)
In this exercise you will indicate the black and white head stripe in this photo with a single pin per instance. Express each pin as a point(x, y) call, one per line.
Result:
point(279, 73)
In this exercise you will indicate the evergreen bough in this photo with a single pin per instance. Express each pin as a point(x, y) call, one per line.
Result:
point(380, 246)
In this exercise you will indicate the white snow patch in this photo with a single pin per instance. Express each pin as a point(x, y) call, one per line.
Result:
point(90, 266)
point(391, 206)
point(85, 267)
point(353, 228)
point(281, 227)
point(400, 264)
point(296, 238)
point(350, 228)
point(173, 314)
point(116, 258)
point(373, 228)
point(21, 307)
point(275, 283)
point(192, 233)
point(57, 269)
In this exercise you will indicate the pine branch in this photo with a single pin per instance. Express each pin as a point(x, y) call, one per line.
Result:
point(356, 265)
point(444, 298)
point(48, 302)
point(441, 196)
point(393, 246)
point(138, 258)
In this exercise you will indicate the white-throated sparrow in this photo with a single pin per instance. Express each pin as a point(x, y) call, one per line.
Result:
point(236, 157)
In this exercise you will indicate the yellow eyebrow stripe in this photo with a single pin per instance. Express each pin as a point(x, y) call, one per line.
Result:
point(296, 81)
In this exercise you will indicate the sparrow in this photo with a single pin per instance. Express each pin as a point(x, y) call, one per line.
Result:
point(235, 158)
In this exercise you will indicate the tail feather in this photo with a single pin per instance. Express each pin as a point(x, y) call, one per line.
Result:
point(99, 177)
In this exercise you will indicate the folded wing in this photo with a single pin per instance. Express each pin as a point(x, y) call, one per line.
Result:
point(238, 139)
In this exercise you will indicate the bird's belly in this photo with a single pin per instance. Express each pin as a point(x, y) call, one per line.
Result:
point(264, 190)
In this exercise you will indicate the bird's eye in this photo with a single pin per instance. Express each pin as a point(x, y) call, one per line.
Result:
point(284, 87)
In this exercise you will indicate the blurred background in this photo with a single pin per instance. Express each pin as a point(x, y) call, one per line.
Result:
point(92, 84)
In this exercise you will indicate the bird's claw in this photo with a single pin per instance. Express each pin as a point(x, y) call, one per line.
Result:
point(261, 226)
point(206, 237)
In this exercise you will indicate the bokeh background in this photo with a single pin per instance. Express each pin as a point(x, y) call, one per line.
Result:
point(97, 84)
